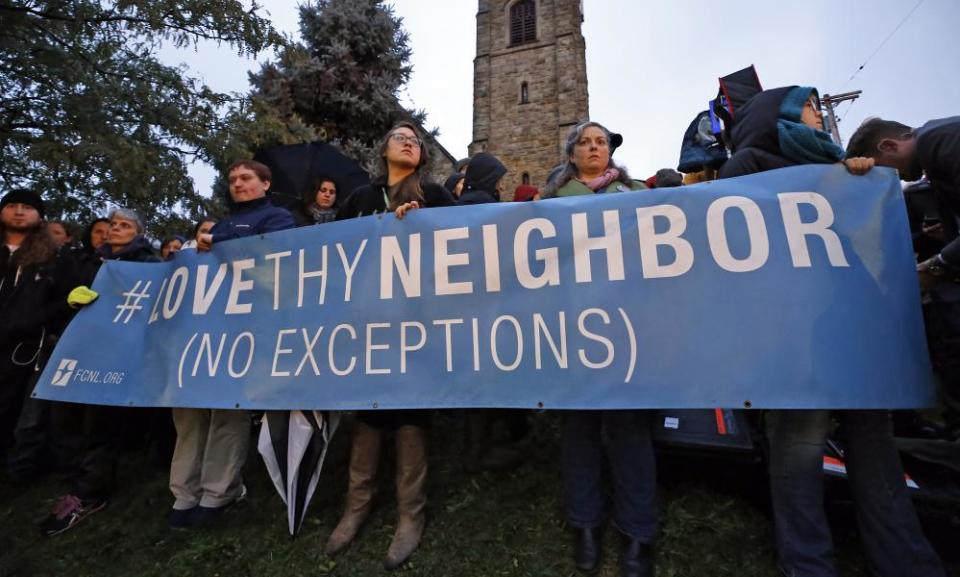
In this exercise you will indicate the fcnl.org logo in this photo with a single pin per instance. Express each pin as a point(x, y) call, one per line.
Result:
point(64, 372)
point(68, 372)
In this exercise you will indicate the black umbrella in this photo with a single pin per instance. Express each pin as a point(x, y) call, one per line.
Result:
point(296, 167)
point(293, 445)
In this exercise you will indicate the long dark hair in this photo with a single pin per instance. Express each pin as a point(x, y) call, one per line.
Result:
point(409, 188)
point(309, 197)
point(38, 247)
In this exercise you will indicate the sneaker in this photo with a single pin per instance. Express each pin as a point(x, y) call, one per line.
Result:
point(67, 512)
point(183, 518)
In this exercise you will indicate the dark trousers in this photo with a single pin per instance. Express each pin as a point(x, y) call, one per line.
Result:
point(941, 314)
point(96, 432)
point(891, 533)
point(393, 420)
point(15, 373)
point(632, 468)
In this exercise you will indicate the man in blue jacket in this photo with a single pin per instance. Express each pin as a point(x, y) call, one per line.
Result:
point(205, 474)
point(253, 212)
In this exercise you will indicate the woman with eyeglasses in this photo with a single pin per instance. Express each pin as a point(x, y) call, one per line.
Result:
point(783, 127)
point(398, 188)
point(589, 169)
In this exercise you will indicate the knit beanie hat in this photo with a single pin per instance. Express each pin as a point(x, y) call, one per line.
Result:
point(23, 196)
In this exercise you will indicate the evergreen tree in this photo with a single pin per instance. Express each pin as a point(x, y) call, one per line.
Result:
point(89, 117)
point(339, 84)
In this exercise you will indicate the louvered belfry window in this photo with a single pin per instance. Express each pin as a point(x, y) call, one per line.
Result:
point(523, 22)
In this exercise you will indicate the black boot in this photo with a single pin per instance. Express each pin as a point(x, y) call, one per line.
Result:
point(636, 558)
point(586, 549)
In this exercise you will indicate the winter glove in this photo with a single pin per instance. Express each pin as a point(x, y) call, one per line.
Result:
point(81, 296)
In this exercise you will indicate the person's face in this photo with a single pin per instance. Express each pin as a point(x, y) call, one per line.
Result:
point(122, 232)
point(205, 227)
point(171, 247)
point(811, 115)
point(458, 189)
point(19, 217)
point(58, 233)
point(403, 148)
point(899, 153)
point(99, 234)
point(326, 194)
point(246, 185)
point(591, 153)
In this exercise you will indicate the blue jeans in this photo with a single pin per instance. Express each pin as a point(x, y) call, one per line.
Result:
point(632, 468)
point(891, 533)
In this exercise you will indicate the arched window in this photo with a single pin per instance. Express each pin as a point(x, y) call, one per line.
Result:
point(524, 93)
point(523, 22)
point(525, 179)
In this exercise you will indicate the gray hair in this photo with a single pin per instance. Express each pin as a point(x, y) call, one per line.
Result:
point(568, 170)
point(127, 214)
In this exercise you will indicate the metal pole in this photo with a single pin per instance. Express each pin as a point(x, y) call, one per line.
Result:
point(830, 103)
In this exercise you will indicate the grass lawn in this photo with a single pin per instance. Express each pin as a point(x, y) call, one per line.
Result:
point(478, 525)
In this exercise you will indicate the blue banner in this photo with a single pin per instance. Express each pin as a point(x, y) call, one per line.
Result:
point(789, 289)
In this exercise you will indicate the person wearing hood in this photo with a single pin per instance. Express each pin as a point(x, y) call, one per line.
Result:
point(589, 169)
point(775, 129)
point(211, 447)
point(171, 246)
point(454, 184)
point(96, 430)
point(783, 127)
point(482, 182)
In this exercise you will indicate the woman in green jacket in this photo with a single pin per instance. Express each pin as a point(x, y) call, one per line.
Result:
point(590, 169)
point(589, 165)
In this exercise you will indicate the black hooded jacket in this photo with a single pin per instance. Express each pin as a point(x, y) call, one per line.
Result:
point(139, 250)
point(938, 152)
point(480, 183)
point(754, 137)
point(371, 199)
point(33, 298)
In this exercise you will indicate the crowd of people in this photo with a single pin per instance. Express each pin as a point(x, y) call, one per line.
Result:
point(45, 271)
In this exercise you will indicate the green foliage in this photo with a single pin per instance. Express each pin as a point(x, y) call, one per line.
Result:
point(90, 117)
point(477, 525)
point(339, 84)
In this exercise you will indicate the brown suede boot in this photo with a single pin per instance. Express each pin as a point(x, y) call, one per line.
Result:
point(364, 457)
point(411, 494)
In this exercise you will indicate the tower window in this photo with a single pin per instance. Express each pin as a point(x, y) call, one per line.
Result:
point(523, 22)
point(525, 179)
point(524, 93)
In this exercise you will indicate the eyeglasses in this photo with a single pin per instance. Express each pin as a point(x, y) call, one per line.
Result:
point(402, 139)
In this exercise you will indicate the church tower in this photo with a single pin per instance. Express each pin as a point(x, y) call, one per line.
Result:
point(529, 84)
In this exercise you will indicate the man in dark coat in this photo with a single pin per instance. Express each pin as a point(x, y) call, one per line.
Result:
point(34, 282)
point(933, 149)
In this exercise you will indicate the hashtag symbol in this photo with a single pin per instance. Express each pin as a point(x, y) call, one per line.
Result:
point(132, 302)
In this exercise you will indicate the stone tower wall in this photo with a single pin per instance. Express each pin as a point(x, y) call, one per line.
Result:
point(528, 137)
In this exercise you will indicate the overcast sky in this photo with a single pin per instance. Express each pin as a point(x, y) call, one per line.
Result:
point(652, 66)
